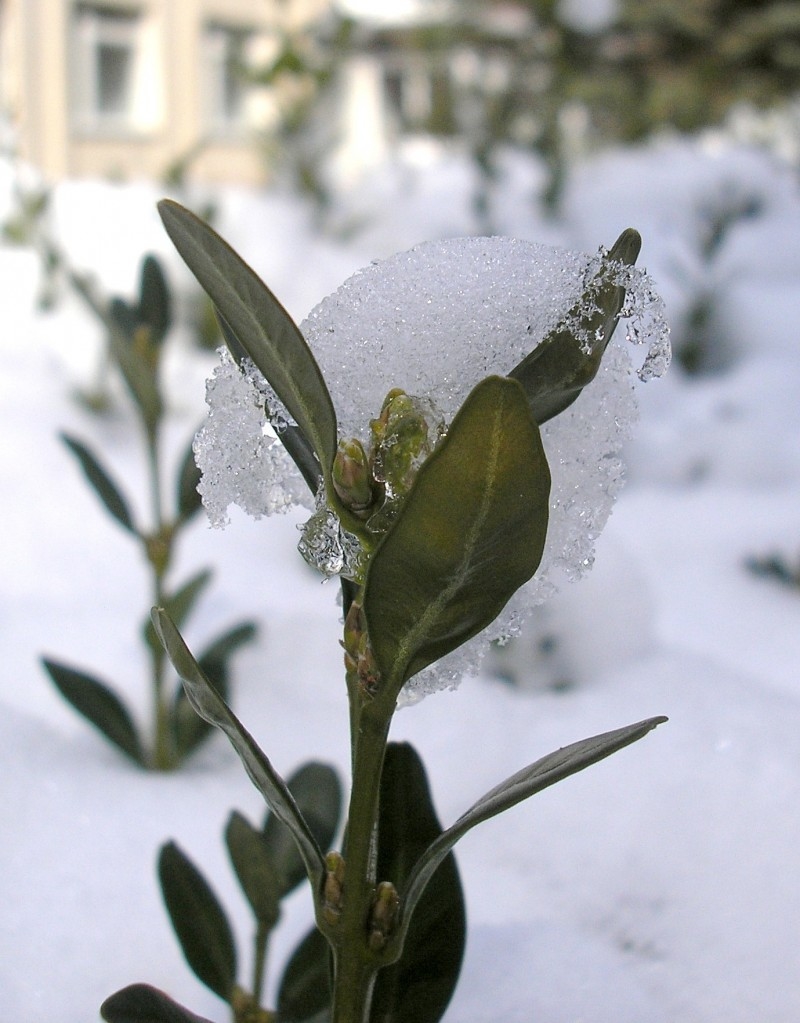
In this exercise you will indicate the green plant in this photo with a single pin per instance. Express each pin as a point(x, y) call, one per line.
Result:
point(432, 528)
point(136, 336)
point(268, 868)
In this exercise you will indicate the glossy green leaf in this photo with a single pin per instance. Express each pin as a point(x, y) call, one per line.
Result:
point(418, 987)
point(261, 324)
point(188, 499)
point(199, 921)
point(102, 484)
point(470, 533)
point(318, 793)
point(189, 728)
point(254, 868)
point(178, 605)
point(304, 994)
point(155, 307)
point(532, 779)
point(292, 437)
point(99, 705)
point(559, 368)
point(212, 708)
point(140, 1003)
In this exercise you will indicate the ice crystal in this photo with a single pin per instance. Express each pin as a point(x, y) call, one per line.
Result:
point(237, 448)
point(435, 321)
point(327, 547)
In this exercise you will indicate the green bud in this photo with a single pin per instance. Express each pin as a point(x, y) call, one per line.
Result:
point(333, 890)
point(401, 441)
point(352, 479)
point(383, 915)
point(360, 666)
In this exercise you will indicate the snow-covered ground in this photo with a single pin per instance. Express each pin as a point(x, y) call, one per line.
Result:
point(662, 884)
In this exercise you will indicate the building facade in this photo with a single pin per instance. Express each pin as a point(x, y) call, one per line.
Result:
point(125, 88)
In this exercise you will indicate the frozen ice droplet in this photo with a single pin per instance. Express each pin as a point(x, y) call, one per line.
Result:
point(327, 547)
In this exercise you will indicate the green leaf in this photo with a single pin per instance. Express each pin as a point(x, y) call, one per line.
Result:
point(198, 920)
point(532, 779)
point(318, 793)
point(137, 364)
point(261, 324)
point(292, 437)
point(123, 316)
point(213, 709)
point(178, 605)
point(99, 705)
point(418, 987)
point(255, 869)
point(140, 1003)
point(304, 994)
point(188, 499)
point(154, 300)
point(188, 727)
point(101, 482)
point(557, 370)
point(470, 533)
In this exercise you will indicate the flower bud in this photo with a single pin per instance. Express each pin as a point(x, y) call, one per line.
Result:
point(333, 890)
point(403, 436)
point(359, 660)
point(383, 915)
point(352, 479)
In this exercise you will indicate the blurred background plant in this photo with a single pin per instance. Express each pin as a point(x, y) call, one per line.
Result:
point(558, 80)
point(136, 333)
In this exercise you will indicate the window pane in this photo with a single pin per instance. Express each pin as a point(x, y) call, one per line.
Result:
point(226, 76)
point(113, 71)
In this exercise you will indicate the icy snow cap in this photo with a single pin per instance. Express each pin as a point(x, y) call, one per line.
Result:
point(435, 321)
point(439, 318)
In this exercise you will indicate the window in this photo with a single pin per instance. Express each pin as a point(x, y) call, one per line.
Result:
point(113, 71)
point(229, 51)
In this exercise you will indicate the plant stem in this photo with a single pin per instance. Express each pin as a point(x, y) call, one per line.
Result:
point(159, 554)
point(355, 964)
point(259, 960)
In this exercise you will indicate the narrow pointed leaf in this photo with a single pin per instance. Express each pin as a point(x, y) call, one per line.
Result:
point(538, 776)
point(418, 987)
point(189, 728)
point(138, 367)
point(211, 707)
point(304, 994)
point(198, 920)
point(141, 1003)
point(154, 299)
point(559, 368)
point(318, 793)
point(254, 868)
point(470, 533)
point(292, 437)
point(188, 499)
point(123, 316)
point(103, 485)
point(261, 324)
point(179, 605)
point(99, 705)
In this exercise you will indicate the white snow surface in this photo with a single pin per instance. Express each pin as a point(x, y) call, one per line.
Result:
point(660, 885)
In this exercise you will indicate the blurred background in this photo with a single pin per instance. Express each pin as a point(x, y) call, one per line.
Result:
point(320, 92)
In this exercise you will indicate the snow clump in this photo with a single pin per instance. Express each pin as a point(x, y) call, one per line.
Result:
point(435, 321)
